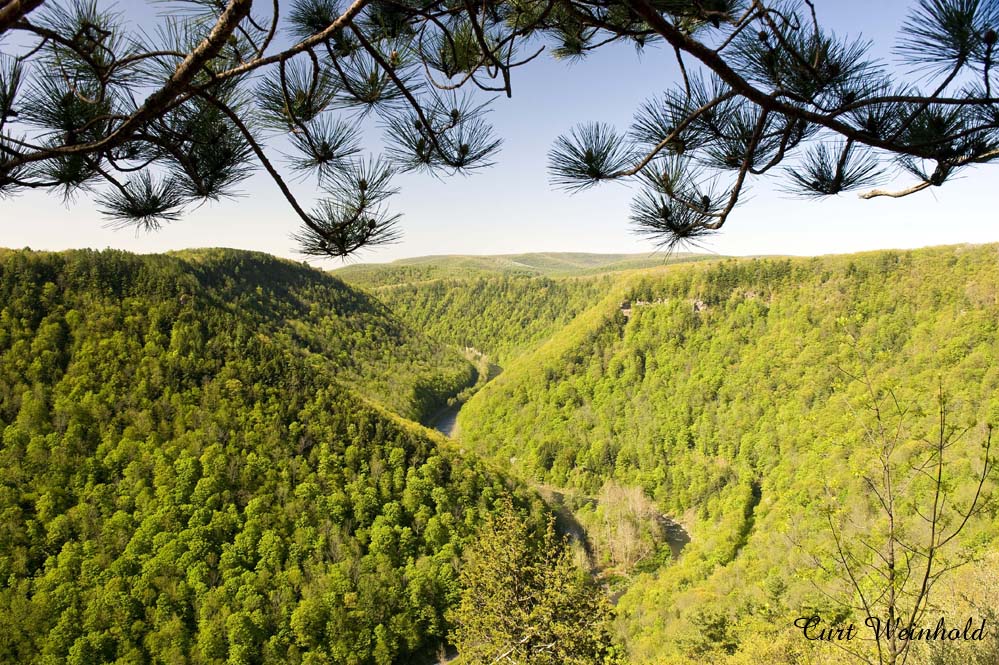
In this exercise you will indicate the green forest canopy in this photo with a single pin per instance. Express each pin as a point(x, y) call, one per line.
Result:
point(211, 455)
point(721, 393)
point(195, 468)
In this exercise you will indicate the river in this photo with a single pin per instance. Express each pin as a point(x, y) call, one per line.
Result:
point(446, 421)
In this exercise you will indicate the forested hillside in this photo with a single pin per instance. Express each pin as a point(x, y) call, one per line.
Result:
point(500, 316)
point(502, 306)
point(190, 473)
point(211, 457)
point(171, 299)
point(724, 393)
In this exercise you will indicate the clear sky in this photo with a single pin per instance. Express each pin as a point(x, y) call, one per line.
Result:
point(511, 207)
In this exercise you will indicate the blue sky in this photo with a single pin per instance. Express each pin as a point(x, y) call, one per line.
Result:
point(511, 207)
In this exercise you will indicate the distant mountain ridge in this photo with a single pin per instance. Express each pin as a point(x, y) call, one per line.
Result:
point(548, 264)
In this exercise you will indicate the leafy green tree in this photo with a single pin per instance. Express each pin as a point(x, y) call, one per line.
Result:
point(893, 566)
point(157, 122)
point(525, 601)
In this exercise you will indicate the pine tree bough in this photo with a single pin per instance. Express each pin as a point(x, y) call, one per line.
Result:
point(151, 126)
point(14, 10)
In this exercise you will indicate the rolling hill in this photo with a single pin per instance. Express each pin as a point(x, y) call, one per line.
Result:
point(717, 396)
point(551, 264)
point(203, 461)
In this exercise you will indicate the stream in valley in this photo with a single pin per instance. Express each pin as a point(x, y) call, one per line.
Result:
point(446, 421)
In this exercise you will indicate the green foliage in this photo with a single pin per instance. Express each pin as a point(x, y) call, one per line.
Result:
point(501, 317)
point(205, 458)
point(90, 104)
point(188, 474)
point(524, 600)
point(721, 395)
point(333, 324)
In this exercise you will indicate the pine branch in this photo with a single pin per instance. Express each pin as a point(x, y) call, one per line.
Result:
point(15, 10)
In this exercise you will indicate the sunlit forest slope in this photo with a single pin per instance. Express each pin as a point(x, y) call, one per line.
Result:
point(194, 468)
point(727, 393)
point(729, 397)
